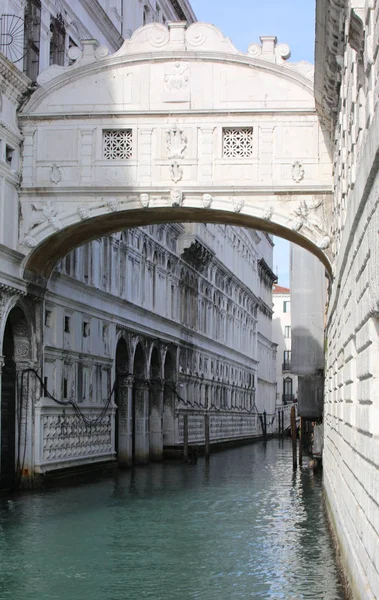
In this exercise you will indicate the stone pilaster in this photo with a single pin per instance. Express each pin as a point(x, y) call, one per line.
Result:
point(145, 157)
point(266, 152)
point(206, 155)
point(86, 153)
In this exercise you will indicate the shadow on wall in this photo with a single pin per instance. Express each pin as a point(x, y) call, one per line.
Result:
point(308, 363)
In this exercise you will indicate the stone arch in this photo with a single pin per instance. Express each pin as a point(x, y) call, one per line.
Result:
point(17, 352)
point(169, 397)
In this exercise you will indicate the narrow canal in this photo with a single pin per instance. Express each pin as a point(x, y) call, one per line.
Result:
point(242, 526)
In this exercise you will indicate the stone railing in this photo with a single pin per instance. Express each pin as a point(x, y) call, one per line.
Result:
point(64, 439)
point(223, 425)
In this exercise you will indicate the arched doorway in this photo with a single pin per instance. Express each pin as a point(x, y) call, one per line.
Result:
point(140, 402)
point(123, 420)
point(155, 407)
point(16, 352)
point(8, 411)
point(169, 400)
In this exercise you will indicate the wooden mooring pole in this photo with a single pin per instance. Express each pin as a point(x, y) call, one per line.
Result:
point(301, 440)
point(264, 425)
point(185, 438)
point(207, 448)
point(293, 434)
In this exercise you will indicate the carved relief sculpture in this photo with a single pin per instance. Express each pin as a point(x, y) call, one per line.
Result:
point(176, 142)
point(176, 82)
point(298, 171)
point(176, 197)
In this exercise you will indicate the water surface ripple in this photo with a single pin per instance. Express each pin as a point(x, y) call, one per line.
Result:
point(242, 526)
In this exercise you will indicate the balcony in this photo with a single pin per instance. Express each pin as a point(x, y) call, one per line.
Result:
point(286, 366)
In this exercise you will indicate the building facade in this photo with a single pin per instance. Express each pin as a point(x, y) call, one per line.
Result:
point(135, 330)
point(286, 381)
point(347, 94)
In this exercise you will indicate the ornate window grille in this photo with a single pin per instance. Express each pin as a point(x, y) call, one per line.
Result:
point(237, 142)
point(117, 144)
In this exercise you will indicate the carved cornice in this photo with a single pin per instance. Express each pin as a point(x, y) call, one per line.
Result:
point(266, 273)
point(330, 33)
point(100, 17)
point(13, 78)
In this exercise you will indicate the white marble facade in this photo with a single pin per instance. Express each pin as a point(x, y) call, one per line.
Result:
point(347, 93)
point(178, 315)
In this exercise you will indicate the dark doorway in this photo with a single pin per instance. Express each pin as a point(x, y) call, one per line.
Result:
point(8, 412)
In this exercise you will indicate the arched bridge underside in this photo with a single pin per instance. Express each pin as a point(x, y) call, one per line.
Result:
point(178, 125)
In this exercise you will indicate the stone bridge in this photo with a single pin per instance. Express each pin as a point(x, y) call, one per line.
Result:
point(178, 125)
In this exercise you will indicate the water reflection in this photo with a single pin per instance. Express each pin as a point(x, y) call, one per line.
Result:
point(241, 526)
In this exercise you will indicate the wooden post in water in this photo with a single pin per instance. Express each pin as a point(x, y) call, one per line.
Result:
point(293, 434)
point(206, 435)
point(185, 438)
point(301, 440)
point(264, 425)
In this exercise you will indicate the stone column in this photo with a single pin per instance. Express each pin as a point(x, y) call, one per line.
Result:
point(125, 420)
point(141, 401)
point(156, 420)
point(25, 430)
point(169, 414)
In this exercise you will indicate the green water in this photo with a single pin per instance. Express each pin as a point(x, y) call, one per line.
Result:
point(241, 526)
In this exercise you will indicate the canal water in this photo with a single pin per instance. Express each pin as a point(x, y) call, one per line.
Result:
point(241, 526)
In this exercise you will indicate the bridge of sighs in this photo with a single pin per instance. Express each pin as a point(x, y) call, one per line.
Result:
point(178, 125)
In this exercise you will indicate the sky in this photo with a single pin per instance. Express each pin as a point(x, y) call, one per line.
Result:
point(293, 23)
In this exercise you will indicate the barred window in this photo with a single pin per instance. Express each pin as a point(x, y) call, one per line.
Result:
point(57, 41)
point(117, 144)
point(32, 33)
point(237, 142)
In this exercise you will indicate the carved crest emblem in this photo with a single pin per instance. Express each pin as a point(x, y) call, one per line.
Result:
point(176, 82)
point(176, 142)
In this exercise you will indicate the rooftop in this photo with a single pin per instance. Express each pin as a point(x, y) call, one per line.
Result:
point(279, 289)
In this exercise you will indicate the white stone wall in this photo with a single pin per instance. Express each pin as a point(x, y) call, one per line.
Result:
point(351, 414)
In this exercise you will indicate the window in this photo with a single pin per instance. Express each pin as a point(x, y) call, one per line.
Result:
point(287, 390)
point(287, 360)
point(9, 155)
point(117, 144)
point(48, 318)
point(57, 41)
point(237, 142)
point(67, 324)
point(32, 33)
point(286, 306)
point(287, 331)
point(65, 387)
point(145, 18)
